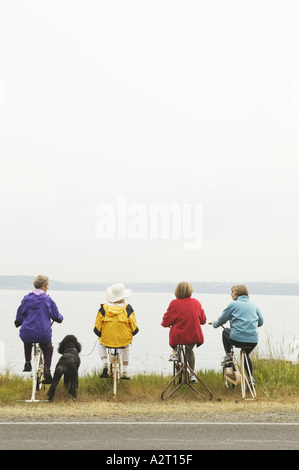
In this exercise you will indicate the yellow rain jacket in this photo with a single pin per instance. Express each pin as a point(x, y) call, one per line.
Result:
point(115, 325)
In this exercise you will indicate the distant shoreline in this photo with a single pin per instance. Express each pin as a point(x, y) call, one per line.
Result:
point(262, 288)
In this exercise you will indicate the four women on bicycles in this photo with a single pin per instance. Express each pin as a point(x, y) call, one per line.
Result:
point(116, 324)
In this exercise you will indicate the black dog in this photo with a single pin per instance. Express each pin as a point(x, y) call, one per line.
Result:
point(67, 366)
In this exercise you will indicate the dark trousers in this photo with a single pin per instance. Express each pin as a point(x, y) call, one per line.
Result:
point(228, 342)
point(47, 349)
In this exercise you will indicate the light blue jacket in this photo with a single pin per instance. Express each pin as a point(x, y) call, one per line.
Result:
point(244, 317)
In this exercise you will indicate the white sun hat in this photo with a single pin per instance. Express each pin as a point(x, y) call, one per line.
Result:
point(117, 292)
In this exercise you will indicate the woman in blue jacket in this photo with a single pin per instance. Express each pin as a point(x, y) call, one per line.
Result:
point(34, 315)
point(245, 318)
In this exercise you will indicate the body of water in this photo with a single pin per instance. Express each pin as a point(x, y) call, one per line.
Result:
point(150, 349)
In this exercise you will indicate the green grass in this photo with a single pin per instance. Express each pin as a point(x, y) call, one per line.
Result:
point(275, 379)
point(13, 386)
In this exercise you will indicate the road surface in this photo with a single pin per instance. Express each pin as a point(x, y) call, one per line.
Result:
point(150, 436)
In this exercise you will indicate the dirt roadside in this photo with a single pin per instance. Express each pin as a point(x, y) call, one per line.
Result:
point(239, 411)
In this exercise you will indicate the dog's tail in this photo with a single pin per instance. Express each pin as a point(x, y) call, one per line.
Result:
point(59, 371)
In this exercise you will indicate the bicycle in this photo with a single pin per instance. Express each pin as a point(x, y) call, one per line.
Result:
point(182, 371)
point(115, 367)
point(234, 375)
point(37, 371)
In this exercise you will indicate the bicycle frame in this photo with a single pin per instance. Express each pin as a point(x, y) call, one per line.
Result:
point(231, 372)
point(115, 366)
point(237, 376)
point(37, 371)
point(181, 370)
point(244, 378)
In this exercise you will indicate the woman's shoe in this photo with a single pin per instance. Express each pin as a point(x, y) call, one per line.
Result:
point(47, 377)
point(104, 374)
point(125, 376)
point(27, 367)
point(227, 360)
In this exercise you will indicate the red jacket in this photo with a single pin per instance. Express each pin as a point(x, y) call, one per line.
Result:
point(184, 316)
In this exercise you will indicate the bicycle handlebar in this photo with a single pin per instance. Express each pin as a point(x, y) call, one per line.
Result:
point(211, 323)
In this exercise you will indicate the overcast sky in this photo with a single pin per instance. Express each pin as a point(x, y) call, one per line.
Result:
point(125, 105)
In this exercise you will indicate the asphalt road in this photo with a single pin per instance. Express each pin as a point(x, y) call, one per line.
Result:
point(148, 436)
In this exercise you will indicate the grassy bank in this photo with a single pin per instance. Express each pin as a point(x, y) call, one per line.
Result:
point(275, 380)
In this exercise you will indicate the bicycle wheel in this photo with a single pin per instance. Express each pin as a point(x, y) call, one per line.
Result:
point(110, 369)
point(180, 362)
point(111, 362)
point(40, 370)
point(228, 372)
point(115, 375)
point(115, 366)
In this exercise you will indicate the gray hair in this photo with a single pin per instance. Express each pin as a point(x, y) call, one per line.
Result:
point(41, 281)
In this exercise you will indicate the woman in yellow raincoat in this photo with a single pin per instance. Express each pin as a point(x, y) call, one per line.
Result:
point(115, 325)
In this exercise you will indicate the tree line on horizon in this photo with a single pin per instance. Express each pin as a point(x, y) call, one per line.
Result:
point(263, 288)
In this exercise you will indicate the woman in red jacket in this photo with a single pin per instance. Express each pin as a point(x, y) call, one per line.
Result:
point(184, 317)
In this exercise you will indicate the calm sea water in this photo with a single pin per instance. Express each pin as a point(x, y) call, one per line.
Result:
point(150, 349)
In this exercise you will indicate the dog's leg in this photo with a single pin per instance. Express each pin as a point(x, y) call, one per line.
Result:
point(73, 389)
point(74, 384)
point(66, 380)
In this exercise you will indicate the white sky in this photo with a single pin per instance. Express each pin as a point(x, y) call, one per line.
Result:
point(186, 102)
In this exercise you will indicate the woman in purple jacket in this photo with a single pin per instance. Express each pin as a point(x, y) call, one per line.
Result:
point(34, 316)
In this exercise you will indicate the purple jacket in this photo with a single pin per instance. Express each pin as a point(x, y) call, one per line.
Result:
point(34, 315)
